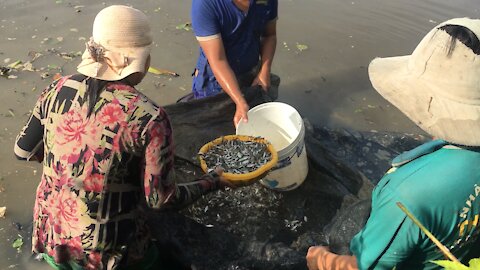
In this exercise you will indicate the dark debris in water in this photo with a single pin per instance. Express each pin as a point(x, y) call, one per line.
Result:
point(4, 71)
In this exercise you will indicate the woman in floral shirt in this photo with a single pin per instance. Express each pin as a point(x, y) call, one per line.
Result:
point(106, 150)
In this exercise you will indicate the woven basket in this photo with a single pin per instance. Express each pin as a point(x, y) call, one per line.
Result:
point(246, 177)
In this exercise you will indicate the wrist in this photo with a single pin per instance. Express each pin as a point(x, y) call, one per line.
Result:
point(213, 180)
point(265, 70)
point(240, 102)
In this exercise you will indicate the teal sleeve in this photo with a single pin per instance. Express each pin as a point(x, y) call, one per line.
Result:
point(388, 238)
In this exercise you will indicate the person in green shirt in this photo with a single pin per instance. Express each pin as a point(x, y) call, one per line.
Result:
point(438, 87)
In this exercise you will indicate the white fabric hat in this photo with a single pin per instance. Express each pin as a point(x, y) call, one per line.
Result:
point(120, 45)
point(440, 93)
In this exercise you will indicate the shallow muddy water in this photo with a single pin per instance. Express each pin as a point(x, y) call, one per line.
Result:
point(327, 82)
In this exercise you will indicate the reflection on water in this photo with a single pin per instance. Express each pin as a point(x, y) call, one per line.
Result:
point(327, 83)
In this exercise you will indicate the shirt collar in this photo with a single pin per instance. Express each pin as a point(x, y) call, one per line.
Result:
point(417, 152)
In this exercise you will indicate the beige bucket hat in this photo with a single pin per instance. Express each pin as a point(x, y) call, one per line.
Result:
point(440, 93)
point(120, 44)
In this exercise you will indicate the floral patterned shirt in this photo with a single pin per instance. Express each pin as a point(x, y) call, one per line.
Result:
point(98, 169)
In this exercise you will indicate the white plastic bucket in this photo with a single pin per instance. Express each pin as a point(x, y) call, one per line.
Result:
point(283, 126)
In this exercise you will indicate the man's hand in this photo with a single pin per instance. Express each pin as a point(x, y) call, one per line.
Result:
point(314, 257)
point(241, 113)
point(263, 80)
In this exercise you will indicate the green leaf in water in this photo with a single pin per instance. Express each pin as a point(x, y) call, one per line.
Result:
point(50, 67)
point(302, 47)
point(15, 64)
point(185, 26)
point(18, 243)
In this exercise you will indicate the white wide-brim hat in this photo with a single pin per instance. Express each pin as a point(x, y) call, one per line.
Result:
point(120, 45)
point(438, 91)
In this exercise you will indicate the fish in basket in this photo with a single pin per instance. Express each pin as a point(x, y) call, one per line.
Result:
point(242, 158)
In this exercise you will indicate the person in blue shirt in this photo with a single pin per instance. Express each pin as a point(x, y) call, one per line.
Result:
point(438, 87)
point(237, 44)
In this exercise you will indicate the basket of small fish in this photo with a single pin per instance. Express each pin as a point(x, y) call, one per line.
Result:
point(242, 158)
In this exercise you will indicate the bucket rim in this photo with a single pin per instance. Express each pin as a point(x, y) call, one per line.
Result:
point(301, 125)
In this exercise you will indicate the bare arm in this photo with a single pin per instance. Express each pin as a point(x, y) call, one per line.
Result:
point(215, 53)
point(267, 53)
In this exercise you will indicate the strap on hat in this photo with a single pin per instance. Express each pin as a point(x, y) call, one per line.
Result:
point(97, 54)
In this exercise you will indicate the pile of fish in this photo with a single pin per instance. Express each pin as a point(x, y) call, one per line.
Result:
point(236, 156)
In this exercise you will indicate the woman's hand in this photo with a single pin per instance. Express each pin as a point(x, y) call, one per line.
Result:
point(223, 183)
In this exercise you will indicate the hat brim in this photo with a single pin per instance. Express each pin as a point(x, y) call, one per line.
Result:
point(137, 59)
point(439, 116)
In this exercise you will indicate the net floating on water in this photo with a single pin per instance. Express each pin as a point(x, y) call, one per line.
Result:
point(242, 158)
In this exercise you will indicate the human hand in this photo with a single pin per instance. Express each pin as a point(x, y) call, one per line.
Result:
point(314, 257)
point(241, 113)
point(216, 175)
point(223, 183)
point(263, 80)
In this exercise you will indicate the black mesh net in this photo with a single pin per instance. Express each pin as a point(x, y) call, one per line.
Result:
point(257, 228)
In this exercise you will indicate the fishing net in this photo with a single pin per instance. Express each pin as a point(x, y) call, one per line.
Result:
point(257, 228)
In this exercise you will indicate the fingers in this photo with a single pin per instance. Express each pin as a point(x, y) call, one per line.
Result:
point(219, 170)
point(225, 183)
point(240, 115)
point(235, 122)
point(314, 255)
point(244, 118)
point(312, 258)
point(262, 82)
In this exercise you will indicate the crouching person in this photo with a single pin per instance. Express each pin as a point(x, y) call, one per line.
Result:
point(107, 149)
point(437, 87)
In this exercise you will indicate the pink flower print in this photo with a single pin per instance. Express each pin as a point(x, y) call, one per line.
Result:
point(119, 138)
point(101, 166)
point(135, 132)
point(93, 182)
point(157, 135)
point(120, 87)
point(110, 114)
point(43, 189)
point(94, 261)
point(63, 181)
point(75, 247)
point(71, 131)
point(73, 158)
point(68, 213)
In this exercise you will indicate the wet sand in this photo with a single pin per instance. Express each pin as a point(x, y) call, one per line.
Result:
point(327, 83)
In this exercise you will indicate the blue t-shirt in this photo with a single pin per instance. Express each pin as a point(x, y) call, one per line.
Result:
point(440, 185)
point(239, 31)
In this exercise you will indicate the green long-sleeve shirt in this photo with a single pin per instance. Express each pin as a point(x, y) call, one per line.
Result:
point(440, 185)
